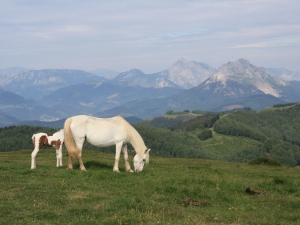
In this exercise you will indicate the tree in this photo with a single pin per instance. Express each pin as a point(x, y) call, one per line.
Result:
point(169, 112)
point(206, 134)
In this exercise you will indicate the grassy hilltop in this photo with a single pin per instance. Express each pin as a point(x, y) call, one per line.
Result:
point(50, 195)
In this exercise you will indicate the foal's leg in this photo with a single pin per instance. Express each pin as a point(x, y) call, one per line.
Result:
point(117, 157)
point(33, 156)
point(125, 153)
point(59, 156)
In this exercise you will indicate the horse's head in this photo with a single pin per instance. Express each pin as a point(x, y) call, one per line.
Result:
point(139, 162)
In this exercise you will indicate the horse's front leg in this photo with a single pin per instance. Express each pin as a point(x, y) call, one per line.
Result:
point(125, 152)
point(33, 157)
point(117, 157)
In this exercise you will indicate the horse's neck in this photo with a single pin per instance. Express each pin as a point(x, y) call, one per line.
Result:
point(136, 140)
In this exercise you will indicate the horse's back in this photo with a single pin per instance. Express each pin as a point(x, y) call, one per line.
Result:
point(95, 123)
point(92, 123)
point(99, 131)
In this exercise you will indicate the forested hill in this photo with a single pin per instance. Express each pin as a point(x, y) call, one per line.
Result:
point(280, 123)
point(239, 136)
point(277, 128)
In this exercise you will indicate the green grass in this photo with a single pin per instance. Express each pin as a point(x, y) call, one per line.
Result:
point(223, 145)
point(265, 161)
point(50, 195)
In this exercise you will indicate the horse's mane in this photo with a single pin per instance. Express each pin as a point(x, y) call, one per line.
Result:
point(133, 136)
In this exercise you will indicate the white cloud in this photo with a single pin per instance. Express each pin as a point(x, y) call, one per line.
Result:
point(75, 28)
point(149, 35)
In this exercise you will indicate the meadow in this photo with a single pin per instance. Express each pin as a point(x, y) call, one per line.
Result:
point(158, 195)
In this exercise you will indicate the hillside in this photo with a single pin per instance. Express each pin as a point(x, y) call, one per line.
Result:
point(238, 136)
point(14, 108)
point(168, 191)
point(92, 97)
point(242, 135)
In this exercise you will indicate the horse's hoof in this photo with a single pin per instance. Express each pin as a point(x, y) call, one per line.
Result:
point(117, 171)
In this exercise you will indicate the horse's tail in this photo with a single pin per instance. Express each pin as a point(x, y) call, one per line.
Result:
point(69, 140)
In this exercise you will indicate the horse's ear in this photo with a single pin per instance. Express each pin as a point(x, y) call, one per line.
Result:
point(147, 150)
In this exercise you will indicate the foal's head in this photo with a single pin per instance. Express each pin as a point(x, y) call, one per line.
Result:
point(139, 162)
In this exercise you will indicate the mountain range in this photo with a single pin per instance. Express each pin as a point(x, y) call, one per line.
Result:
point(234, 85)
point(50, 95)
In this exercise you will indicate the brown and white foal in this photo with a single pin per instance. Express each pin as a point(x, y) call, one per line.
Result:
point(51, 140)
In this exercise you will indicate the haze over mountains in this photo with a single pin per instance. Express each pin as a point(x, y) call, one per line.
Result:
point(57, 94)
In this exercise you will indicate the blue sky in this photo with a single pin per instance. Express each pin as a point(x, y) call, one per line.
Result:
point(148, 35)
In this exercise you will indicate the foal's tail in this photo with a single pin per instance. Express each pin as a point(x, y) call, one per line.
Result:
point(33, 140)
point(69, 140)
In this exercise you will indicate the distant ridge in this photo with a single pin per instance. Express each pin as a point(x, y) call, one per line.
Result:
point(35, 84)
point(15, 69)
point(60, 123)
point(53, 94)
point(234, 85)
point(182, 74)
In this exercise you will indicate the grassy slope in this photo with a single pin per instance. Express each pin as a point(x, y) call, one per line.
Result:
point(222, 145)
point(50, 195)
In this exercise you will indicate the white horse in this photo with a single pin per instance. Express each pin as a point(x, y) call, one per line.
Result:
point(104, 132)
point(51, 140)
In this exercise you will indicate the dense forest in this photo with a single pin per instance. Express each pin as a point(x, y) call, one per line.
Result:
point(238, 136)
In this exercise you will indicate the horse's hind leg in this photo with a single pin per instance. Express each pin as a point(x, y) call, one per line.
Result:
point(70, 163)
point(79, 143)
point(127, 165)
point(33, 157)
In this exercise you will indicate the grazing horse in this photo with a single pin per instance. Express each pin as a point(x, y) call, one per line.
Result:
point(104, 132)
point(51, 140)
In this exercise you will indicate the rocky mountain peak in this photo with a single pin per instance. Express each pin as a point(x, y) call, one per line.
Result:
point(182, 62)
point(188, 74)
point(244, 73)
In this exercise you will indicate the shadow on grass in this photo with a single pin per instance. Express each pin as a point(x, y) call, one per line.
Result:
point(94, 165)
